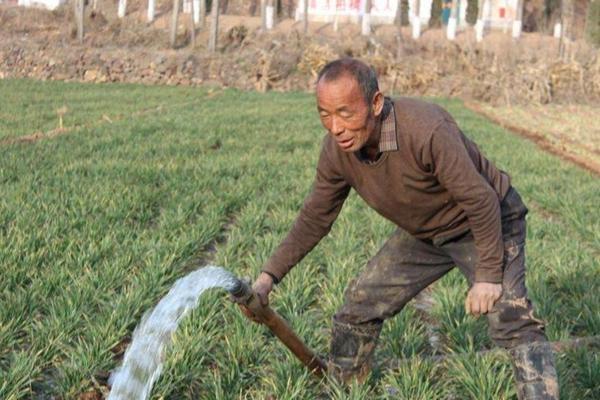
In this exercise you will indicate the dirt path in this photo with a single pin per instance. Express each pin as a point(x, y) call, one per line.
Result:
point(560, 142)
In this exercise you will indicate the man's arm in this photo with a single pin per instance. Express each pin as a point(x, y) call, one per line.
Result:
point(456, 171)
point(314, 221)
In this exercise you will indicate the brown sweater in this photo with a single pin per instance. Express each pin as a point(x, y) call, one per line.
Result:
point(436, 185)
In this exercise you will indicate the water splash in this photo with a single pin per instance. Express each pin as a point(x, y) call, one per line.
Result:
point(143, 359)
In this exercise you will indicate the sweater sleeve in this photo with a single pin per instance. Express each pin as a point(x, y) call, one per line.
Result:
point(456, 171)
point(314, 221)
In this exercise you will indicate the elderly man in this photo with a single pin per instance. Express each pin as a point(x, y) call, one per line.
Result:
point(410, 162)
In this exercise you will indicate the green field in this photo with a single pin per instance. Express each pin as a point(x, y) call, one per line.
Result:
point(97, 224)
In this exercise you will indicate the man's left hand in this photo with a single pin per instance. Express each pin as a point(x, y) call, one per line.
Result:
point(481, 297)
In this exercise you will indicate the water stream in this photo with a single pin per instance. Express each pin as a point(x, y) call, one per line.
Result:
point(143, 359)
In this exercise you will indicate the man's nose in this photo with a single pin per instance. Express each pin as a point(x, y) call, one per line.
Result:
point(336, 127)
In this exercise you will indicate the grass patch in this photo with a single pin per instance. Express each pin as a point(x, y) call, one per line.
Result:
point(96, 225)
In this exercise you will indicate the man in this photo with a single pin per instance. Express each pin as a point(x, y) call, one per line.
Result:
point(410, 162)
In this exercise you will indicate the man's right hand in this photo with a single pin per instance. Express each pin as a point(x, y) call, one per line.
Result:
point(262, 287)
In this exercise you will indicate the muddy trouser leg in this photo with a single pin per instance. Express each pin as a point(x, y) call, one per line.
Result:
point(399, 271)
point(512, 324)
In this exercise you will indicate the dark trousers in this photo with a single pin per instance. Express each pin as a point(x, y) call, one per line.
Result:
point(405, 265)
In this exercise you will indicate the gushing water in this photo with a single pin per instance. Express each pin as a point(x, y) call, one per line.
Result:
point(144, 357)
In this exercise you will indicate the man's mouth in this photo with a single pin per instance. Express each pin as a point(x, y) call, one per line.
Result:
point(346, 144)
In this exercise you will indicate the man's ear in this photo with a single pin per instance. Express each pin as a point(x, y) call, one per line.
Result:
point(377, 104)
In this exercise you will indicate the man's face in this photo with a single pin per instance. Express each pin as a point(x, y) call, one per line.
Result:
point(346, 115)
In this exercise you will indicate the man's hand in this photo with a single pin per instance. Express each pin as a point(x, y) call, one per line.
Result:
point(262, 287)
point(481, 297)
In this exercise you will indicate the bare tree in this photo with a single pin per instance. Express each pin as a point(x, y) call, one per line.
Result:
point(263, 15)
point(269, 15)
point(416, 20)
point(78, 8)
point(201, 14)
point(566, 19)
point(452, 21)
point(518, 21)
point(306, 17)
point(192, 24)
point(151, 9)
point(480, 24)
point(366, 19)
point(122, 8)
point(399, 41)
point(174, 22)
point(214, 26)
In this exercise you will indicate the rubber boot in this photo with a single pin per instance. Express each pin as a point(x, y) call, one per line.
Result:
point(352, 348)
point(535, 374)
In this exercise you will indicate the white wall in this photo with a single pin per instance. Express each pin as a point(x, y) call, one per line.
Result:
point(48, 4)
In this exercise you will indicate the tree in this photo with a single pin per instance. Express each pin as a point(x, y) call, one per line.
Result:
point(416, 19)
point(399, 41)
point(518, 21)
point(214, 26)
point(151, 8)
point(193, 24)
point(366, 19)
point(78, 8)
point(122, 8)
point(452, 21)
point(306, 17)
point(566, 17)
point(174, 21)
point(480, 25)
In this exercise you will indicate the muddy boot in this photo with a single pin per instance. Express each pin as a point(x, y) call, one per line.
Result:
point(535, 374)
point(352, 348)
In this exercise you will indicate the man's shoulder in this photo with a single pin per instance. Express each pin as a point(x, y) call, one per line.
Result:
point(416, 119)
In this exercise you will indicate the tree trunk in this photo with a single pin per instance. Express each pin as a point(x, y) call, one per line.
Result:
point(151, 8)
point(415, 21)
point(480, 24)
point(122, 8)
point(174, 21)
point(366, 19)
point(202, 14)
point(193, 23)
point(269, 15)
point(452, 21)
point(78, 8)
point(214, 26)
point(306, 17)
point(518, 21)
point(263, 15)
point(399, 41)
point(566, 19)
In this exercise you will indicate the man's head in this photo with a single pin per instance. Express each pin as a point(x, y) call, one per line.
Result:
point(349, 103)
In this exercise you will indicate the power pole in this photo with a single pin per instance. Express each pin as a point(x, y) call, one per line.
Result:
point(214, 26)
point(174, 20)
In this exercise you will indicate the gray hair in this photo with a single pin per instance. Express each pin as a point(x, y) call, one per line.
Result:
point(363, 74)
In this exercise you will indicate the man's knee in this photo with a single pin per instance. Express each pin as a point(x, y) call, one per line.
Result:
point(512, 322)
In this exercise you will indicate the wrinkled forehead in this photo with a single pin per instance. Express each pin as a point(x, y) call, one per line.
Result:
point(343, 90)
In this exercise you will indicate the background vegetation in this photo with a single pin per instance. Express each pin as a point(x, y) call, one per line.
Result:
point(96, 225)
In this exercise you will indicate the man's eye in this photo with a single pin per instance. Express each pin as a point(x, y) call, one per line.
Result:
point(324, 115)
point(345, 115)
